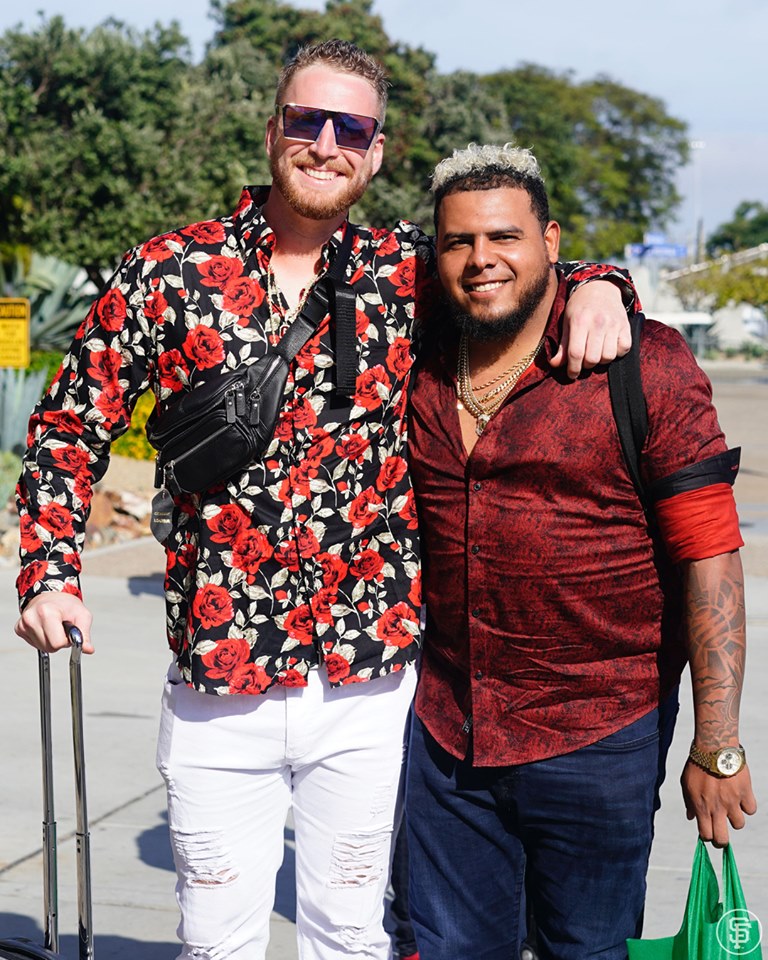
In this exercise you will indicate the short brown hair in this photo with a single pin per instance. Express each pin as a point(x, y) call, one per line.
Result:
point(344, 56)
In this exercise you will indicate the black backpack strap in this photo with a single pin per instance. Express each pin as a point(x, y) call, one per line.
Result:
point(330, 293)
point(629, 408)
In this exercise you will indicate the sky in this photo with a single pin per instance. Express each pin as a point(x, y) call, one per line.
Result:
point(704, 58)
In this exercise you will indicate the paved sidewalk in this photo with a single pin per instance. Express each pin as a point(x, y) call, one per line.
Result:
point(134, 908)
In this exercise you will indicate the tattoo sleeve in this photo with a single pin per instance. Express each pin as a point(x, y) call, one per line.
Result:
point(716, 646)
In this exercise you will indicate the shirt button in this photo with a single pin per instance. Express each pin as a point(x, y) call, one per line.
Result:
point(477, 486)
point(475, 548)
point(476, 612)
point(479, 675)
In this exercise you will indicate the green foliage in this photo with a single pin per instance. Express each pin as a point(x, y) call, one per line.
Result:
point(748, 228)
point(134, 442)
point(110, 136)
point(10, 470)
point(19, 392)
point(724, 283)
point(59, 297)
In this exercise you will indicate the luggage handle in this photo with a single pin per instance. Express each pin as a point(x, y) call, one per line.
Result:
point(82, 835)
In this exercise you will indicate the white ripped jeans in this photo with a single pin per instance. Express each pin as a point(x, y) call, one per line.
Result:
point(233, 766)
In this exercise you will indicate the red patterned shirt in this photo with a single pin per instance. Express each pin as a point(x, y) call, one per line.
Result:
point(310, 554)
point(549, 623)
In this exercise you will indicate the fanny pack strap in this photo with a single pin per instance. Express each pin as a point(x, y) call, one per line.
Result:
point(330, 293)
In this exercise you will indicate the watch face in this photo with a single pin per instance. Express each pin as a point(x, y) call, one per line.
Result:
point(729, 762)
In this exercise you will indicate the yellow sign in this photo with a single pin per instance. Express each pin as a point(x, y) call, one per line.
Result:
point(14, 332)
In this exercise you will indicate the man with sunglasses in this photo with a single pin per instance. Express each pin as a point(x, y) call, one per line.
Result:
point(298, 580)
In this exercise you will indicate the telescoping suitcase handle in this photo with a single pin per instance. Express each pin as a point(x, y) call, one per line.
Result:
point(50, 884)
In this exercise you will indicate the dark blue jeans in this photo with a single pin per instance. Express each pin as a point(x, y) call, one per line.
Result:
point(574, 832)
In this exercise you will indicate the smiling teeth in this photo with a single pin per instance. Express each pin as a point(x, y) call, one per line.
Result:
point(320, 174)
point(482, 287)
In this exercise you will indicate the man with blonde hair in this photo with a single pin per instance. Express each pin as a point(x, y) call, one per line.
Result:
point(292, 589)
point(558, 618)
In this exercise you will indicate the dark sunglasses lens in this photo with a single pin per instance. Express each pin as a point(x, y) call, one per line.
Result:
point(354, 131)
point(303, 123)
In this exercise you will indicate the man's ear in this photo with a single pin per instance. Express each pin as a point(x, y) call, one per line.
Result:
point(271, 133)
point(552, 240)
point(378, 153)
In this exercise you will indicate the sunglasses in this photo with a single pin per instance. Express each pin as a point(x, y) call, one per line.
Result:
point(353, 131)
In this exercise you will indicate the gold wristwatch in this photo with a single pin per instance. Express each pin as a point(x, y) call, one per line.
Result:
point(725, 762)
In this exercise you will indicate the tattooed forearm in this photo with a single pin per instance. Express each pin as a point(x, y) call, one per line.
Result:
point(716, 646)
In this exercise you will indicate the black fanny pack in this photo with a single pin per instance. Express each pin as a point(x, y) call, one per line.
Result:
point(215, 431)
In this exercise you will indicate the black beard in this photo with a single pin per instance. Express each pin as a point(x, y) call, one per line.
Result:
point(506, 326)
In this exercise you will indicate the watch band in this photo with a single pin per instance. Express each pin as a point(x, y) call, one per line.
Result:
point(709, 761)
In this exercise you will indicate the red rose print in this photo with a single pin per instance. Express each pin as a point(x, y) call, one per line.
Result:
point(169, 363)
point(337, 667)
point(155, 306)
point(399, 359)
point(391, 628)
point(362, 322)
point(287, 555)
point(186, 555)
point(414, 594)
point(321, 605)
point(64, 421)
point(292, 678)
point(297, 483)
point(242, 296)
point(30, 575)
point(218, 271)
point(408, 511)
point(403, 278)
point(366, 565)
point(250, 678)
point(305, 358)
point(299, 624)
point(212, 605)
point(388, 245)
point(226, 657)
point(227, 523)
point(333, 567)
point(110, 403)
point(28, 535)
point(307, 542)
point(71, 459)
point(204, 347)
point(321, 446)
point(209, 231)
point(111, 310)
point(158, 250)
point(391, 473)
point(369, 384)
point(303, 414)
point(105, 364)
point(353, 446)
point(56, 519)
point(249, 550)
point(362, 510)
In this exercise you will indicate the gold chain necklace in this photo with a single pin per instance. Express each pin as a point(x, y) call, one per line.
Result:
point(277, 322)
point(483, 408)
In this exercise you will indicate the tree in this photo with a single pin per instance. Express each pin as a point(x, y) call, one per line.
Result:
point(110, 136)
point(748, 228)
point(85, 121)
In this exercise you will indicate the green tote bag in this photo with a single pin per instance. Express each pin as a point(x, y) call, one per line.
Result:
point(713, 928)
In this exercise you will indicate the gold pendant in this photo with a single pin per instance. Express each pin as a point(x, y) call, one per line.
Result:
point(480, 424)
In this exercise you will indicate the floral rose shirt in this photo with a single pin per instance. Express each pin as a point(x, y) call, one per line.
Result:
point(310, 555)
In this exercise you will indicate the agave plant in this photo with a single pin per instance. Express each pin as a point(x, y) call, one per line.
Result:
point(19, 392)
point(59, 295)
